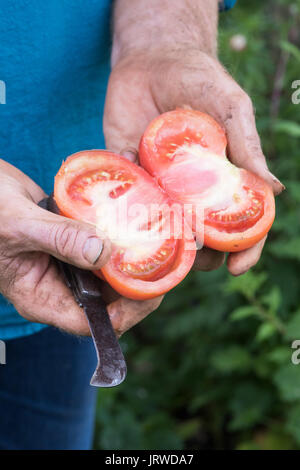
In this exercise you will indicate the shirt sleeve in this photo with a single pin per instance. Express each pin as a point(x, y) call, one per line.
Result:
point(226, 4)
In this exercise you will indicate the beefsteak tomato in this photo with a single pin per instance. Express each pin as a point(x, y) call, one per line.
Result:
point(185, 151)
point(152, 248)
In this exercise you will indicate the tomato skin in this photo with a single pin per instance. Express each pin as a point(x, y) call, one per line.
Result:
point(73, 167)
point(185, 151)
point(172, 125)
point(77, 182)
point(246, 239)
point(142, 290)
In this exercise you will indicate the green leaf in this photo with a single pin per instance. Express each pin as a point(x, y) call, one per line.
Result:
point(248, 405)
point(293, 422)
point(248, 284)
point(243, 312)
point(188, 428)
point(293, 189)
point(234, 358)
point(273, 299)
point(265, 331)
point(291, 48)
point(280, 355)
point(161, 423)
point(287, 380)
point(289, 248)
point(248, 445)
point(293, 327)
point(290, 128)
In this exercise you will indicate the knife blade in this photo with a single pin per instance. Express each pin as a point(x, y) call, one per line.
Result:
point(111, 367)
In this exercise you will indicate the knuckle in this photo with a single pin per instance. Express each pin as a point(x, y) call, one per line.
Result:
point(253, 145)
point(208, 260)
point(238, 272)
point(239, 101)
point(9, 235)
point(64, 238)
point(246, 104)
point(18, 297)
point(9, 275)
point(152, 304)
point(217, 262)
point(255, 259)
point(15, 274)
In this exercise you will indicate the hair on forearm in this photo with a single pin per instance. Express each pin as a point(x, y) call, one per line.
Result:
point(143, 25)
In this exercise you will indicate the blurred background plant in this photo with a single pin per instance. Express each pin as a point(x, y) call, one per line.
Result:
point(212, 367)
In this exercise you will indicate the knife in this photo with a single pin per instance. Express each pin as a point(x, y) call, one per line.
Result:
point(111, 368)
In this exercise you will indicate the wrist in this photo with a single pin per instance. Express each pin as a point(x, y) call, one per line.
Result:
point(149, 57)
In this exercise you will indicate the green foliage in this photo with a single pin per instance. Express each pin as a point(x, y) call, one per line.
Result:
point(288, 127)
point(293, 422)
point(291, 48)
point(211, 368)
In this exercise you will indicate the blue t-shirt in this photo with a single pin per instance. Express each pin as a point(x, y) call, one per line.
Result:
point(226, 4)
point(54, 67)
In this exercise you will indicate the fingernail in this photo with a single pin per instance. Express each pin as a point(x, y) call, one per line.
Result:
point(186, 106)
point(92, 249)
point(130, 153)
point(281, 186)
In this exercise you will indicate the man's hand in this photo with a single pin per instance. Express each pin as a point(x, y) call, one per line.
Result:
point(165, 57)
point(28, 276)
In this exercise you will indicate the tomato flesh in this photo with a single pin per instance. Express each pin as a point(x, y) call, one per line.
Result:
point(151, 268)
point(185, 151)
point(78, 188)
point(104, 189)
point(229, 221)
point(168, 133)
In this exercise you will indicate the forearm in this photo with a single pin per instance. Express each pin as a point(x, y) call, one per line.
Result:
point(143, 25)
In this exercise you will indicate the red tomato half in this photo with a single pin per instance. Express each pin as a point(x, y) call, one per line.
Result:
point(151, 249)
point(185, 151)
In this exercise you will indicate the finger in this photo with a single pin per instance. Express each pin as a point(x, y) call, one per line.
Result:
point(16, 181)
point(208, 259)
point(41, 296)
point(243, 140)
point(130, 153)
point(125, 313)
point(239, 263)
point(74, 242)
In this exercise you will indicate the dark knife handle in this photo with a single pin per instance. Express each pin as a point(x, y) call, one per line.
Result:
point(111, 369)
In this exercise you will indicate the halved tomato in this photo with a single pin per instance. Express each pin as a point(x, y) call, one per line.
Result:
point(185, 151)
point(152, 248)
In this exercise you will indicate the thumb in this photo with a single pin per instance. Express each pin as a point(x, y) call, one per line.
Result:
point(243, 140)
point(71, 241)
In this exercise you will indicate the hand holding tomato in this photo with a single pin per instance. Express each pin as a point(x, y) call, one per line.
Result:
point(29, 278)
point(144, 85)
